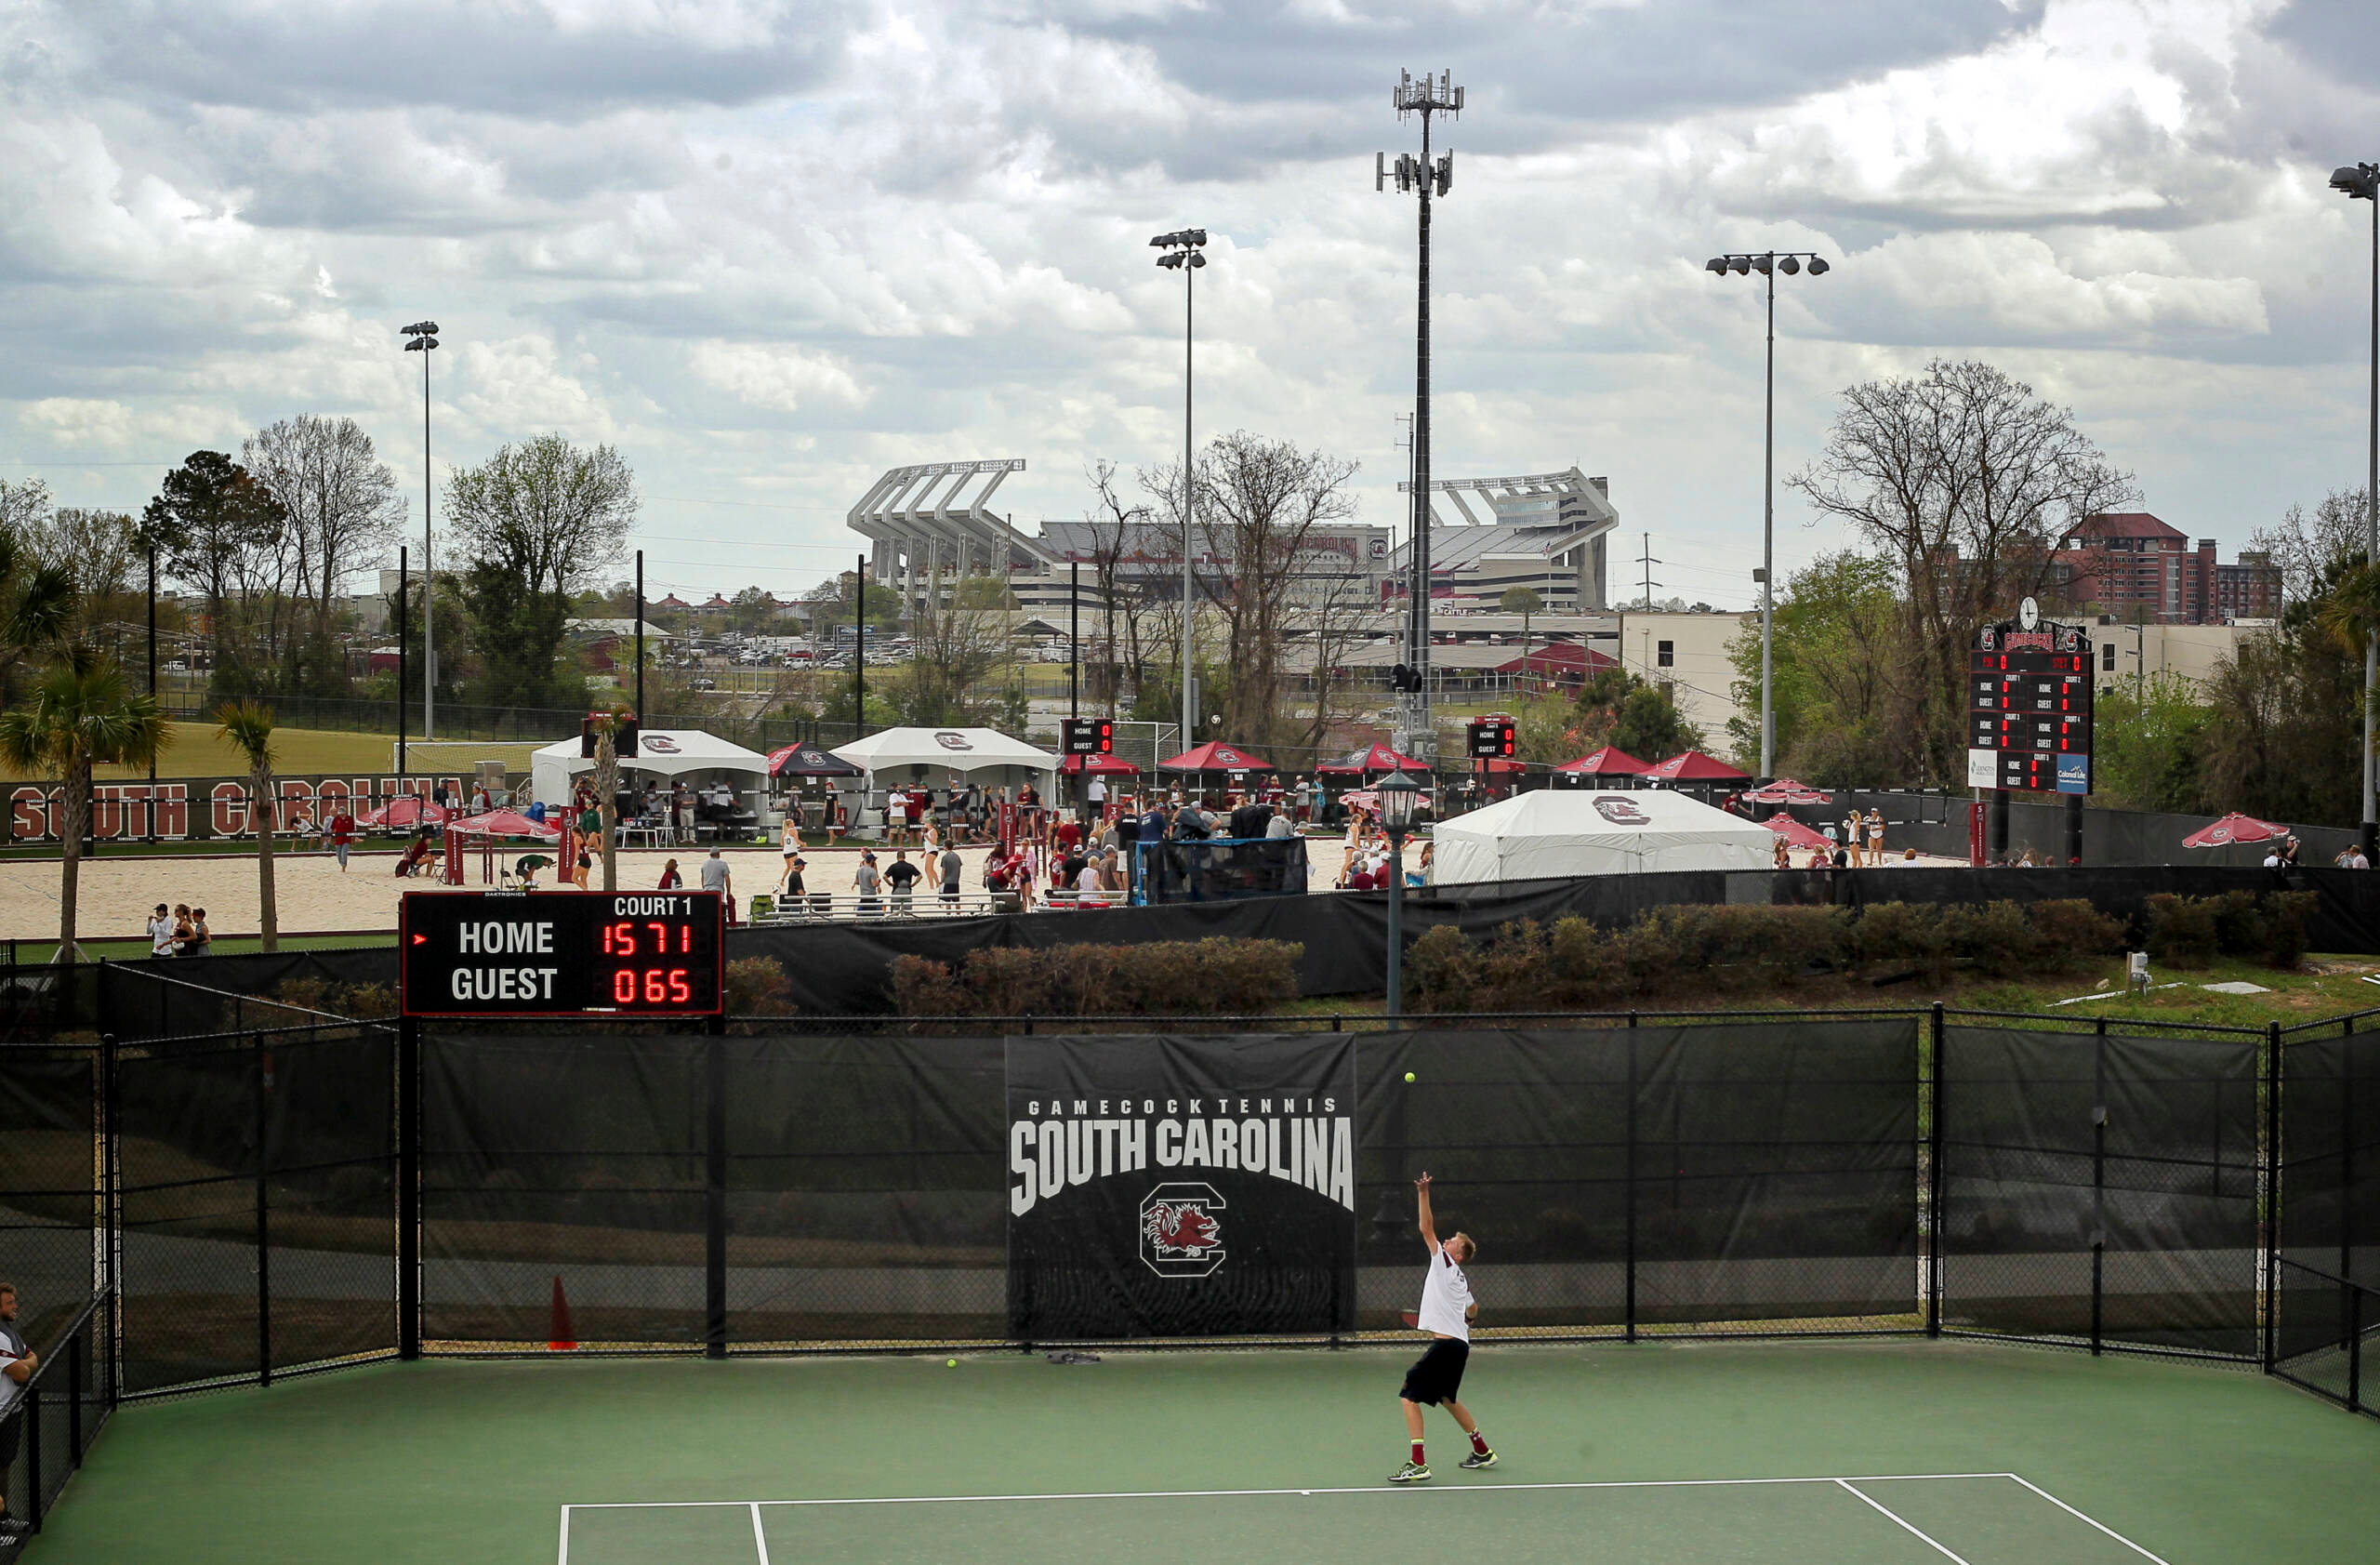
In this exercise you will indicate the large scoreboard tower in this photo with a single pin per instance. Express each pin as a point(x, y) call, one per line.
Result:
point(2029, 706)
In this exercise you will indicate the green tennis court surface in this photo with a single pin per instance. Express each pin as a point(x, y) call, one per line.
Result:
point(1899, 1452)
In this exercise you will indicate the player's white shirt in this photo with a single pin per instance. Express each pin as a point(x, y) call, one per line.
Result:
point(1445, 1298)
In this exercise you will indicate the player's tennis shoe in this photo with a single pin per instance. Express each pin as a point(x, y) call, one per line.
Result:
point(1412, 1472)
point(1480, 1459)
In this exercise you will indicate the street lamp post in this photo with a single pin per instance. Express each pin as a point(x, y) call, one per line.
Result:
point(2360, 182)
point(1184, 253)
point(1768, 263)
point(423, 337)
point(1399, 797)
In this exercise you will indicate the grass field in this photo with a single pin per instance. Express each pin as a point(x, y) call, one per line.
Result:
point(196, 750)
point(1608, 1454)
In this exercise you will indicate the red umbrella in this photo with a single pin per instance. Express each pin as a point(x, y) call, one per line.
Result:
point(1215, 756)
point(802, 758)
point(507, 823)
point(1794, 832)
point(2234, 827)
point(406, 811)
point(1785, 790)
point(1608, 762)
point(1695, 766)
point(1370, 759)
point(1101, 766)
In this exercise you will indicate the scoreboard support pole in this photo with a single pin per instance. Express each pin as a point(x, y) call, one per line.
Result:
point(408, 1187)
point(1999, 845)
point(2074, 829)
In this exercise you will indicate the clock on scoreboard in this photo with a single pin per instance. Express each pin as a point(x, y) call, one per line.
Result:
point(2029, 706)
point(561, 953)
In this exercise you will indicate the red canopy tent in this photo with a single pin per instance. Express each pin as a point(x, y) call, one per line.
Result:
point(1695, 766)
point(507, 823)
point(2234, 827)
point(1608, 762)
point(1098, 766)
point(1215, 756)
point(1370, 759)
point(408, 811)
point(1795, 833)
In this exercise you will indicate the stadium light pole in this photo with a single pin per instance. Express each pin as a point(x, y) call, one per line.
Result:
point(1429, 96)
point(2360, 182)
point(1768, 263)
point(1185, 252)
point(421, 336)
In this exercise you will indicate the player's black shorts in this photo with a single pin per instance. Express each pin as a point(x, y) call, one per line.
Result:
point(1436, 1376)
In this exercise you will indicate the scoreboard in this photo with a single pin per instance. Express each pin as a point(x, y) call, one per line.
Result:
point(2029, 707)
point(561, 953)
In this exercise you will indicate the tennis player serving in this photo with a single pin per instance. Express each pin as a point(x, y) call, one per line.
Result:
point(1446, 1313)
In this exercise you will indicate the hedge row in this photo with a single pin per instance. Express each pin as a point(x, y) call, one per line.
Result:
point(1218, 977)
point(2191, 931)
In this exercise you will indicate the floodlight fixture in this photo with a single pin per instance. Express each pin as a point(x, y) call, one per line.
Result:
point(1789, 265)
point(2358, 181)
point(1183, 249)
point(420, 337)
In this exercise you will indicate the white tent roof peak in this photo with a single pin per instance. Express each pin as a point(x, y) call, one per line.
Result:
point(954, 750)
point(665, 752)
point(1554, 833)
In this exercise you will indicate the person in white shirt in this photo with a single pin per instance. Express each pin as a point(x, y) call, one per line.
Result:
point(17, 1363)
point(1446, 1313)
point(160, 933)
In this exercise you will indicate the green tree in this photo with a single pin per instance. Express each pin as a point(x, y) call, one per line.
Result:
point(1840, 677)
point(219, 528)
point(2148, 743)
point(1650, 727)
point(2285, 736)
point(79, 714)
point(247, 727)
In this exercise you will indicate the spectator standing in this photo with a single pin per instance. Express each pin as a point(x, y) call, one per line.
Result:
point(681, 798)
point(949, 867)
point(1875, 839)
point(160, 932)
point(866, 881)
point(2355, 859)
point(17, 1363)
point(183, 933)
point(1095, 793)
point(716, 876)
point(200, 936)
point(789, 836)
point(342, 831)
point(902, 877)
point(1784, 854)
point(670, 881)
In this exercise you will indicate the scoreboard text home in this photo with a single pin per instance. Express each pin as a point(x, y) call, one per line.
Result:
point(2029, 706)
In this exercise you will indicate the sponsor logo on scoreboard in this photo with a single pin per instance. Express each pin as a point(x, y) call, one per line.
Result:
point(1983, 768)
point(2074, 774)
point(1182, 1231)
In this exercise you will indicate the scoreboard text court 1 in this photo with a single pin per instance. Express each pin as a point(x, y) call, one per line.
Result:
point(2029, 709)
point(561, 953)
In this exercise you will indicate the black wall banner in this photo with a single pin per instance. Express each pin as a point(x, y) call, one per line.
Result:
point(1181, 1186)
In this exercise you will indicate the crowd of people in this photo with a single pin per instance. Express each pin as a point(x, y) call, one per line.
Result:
point(182, 931)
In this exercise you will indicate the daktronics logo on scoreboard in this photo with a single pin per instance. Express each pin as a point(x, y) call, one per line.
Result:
point(561, 954)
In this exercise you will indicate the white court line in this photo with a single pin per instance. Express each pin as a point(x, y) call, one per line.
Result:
point(1845, 1484)
point(759, 1539)
point(1250, 1493)
point(2077, 1515)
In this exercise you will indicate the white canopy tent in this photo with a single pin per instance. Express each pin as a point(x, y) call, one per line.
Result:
point(930, 757)
point(667, 754)
point(1554, 833)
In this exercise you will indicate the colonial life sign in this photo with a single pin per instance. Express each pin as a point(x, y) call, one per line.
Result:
point(1181, 1186)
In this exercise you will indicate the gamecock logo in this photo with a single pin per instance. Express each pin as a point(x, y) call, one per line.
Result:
point(1620, 811)
point(949, 740)
point(660, 744)
point(1181, 1234)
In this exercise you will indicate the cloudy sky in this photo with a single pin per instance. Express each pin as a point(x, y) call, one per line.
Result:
point(771, 248)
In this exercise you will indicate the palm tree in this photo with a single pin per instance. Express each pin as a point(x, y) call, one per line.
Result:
point(248, 726)
point(80, 714)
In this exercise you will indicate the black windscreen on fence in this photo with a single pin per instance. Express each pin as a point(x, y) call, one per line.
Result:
point(49, 1147)
point(568, 1169)
point(1702, 1177)
point(2330, 1156)
point(258, 1204)
point(864, 1199)
point(2101, 1187)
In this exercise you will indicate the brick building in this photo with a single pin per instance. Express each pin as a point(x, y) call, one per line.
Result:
point(2134, 567)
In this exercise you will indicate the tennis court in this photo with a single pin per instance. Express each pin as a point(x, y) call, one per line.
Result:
point(1862, 1452)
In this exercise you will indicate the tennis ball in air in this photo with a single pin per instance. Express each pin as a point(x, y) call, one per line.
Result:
point(1408, 1076)
point(950, 1363)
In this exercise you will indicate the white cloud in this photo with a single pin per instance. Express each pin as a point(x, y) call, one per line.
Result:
point(779, 379)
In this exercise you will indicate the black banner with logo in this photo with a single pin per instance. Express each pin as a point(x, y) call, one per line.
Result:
point(1181, 1186)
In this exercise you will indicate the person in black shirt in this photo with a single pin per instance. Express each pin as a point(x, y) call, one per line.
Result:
point(900, 875)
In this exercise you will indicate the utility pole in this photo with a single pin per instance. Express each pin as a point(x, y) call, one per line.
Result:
point(1427, 179)
point(424, 336)
point(1647, 560)
point(640, 639)
point(1185, 252)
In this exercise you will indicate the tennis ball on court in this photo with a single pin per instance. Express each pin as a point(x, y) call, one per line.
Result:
point(1408, 1076)
point(950, 1363)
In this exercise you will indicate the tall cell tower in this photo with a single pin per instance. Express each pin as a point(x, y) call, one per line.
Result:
point(1428, 179)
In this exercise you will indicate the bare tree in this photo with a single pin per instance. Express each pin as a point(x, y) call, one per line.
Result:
point(1269, 505)
point(23, 505)
point(2304, 548)
point(960, 643)
point(555, 515)
point(342, 500)
point(1113, 527)
point(1966, 480)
